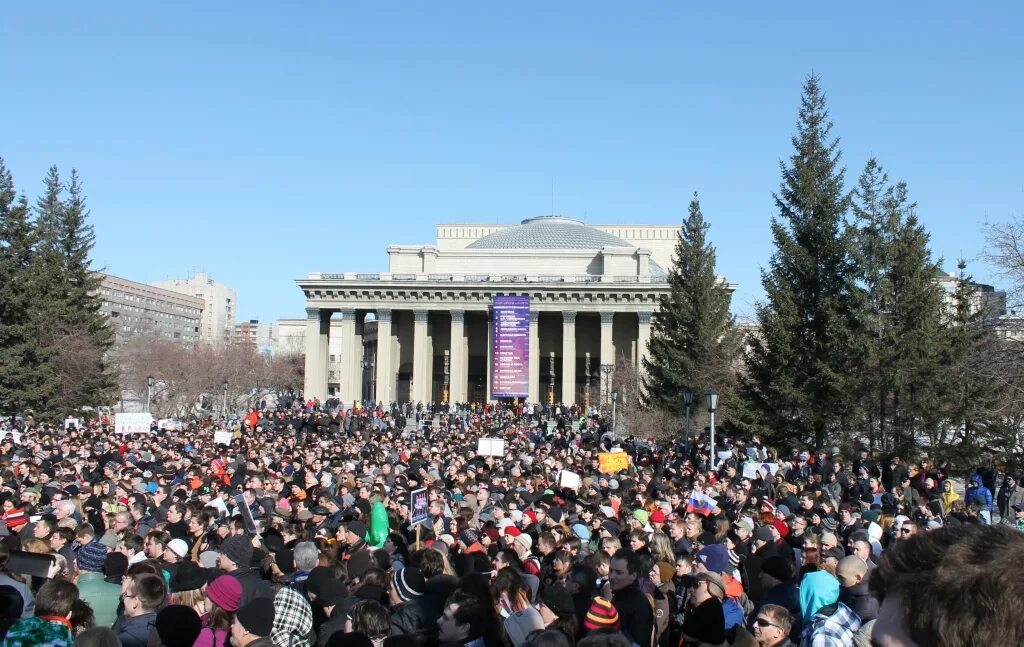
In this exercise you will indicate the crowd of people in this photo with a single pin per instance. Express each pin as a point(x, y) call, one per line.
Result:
point(393, 526)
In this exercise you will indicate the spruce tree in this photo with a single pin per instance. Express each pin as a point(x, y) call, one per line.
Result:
point(799, 367)
point(74, 334)
point(694, 341)
point(19, 374)
point(903, 338)
point(84, 322)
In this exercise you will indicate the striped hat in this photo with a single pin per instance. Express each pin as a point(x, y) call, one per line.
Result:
point(408, 583)
point(602, 615)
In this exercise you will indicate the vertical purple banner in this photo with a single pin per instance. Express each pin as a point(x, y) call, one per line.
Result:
point(510, 357)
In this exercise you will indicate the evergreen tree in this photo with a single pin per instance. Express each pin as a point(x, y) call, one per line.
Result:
point(903, 349)
point(694, 341)
point(917, 341)
point(972, 391)
point(74, 334)
point(84, 322)
point(19, 375)
point(799, 368)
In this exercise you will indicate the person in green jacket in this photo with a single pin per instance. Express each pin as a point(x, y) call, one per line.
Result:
point(102, 590)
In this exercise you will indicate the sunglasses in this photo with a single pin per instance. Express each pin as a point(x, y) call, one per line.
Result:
point(764, 622)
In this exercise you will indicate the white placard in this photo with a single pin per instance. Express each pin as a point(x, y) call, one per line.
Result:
point(14, 436)
point(752, 470)
point(69, 422)
point(491, 447)
point(222, 437)
point(132, 423)
point(569, 479)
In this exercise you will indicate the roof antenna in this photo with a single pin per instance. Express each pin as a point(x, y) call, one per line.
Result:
point(552, 196)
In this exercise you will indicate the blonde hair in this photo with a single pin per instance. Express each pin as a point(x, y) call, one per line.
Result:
point(193, 598)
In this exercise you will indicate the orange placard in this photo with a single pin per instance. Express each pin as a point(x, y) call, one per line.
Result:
point(612, 462)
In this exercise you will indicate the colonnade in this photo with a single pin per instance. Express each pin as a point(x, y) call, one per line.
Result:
point(429, 354)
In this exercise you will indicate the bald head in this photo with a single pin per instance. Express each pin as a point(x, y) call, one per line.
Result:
point(851, 570)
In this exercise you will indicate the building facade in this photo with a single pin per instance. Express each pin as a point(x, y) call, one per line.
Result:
point(440, 328)
point(220, 309)
point(261, 335)
point(136, 309)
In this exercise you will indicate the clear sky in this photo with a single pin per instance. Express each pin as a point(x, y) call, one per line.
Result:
point(260, 141)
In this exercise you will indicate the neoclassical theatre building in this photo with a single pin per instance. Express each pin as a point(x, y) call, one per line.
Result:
point(530, 311)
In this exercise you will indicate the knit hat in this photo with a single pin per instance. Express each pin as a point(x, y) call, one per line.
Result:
point(714, 557)
point(178, 547)
point(657, 517)
point(177, 626)
point(226, 592)
point(778, 567)
point(92, 557)
point(238, 549)
point(715, 583)
point(641, 516)
point(257, 617)
point(602, 615)
point(781, 527)
point(524, 540)
point(357, 528)
point(408, 583)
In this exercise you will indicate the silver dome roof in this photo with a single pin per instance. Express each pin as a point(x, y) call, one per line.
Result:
point(549, 232)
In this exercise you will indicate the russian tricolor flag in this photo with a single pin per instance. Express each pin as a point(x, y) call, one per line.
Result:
point(701, 503)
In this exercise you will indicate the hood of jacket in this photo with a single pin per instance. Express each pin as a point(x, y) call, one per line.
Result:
point(818, 589)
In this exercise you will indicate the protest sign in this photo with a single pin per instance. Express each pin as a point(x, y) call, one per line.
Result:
point(72, 422)
point(612, 462)
point(132, 423)
point(490, 447)
point(569, 479)
point(243, 508)
point(222, 437)
point(419, 506)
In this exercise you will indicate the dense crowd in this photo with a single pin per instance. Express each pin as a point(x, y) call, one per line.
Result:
point(295, 528)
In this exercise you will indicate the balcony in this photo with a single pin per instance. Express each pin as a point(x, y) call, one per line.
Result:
point(484, 278)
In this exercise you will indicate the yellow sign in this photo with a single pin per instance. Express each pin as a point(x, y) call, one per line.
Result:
point(612, 462)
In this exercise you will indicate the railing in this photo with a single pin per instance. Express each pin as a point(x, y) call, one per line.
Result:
point(490, 278)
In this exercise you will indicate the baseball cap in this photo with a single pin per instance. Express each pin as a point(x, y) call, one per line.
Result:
point(744, 522)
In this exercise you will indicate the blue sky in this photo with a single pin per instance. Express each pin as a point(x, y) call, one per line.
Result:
point(260, 141)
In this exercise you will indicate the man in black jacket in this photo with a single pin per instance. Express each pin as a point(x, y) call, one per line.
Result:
point(634, 608)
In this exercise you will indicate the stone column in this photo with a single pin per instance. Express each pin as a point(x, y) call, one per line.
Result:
point(457, 364)
point(318, 329)
point(490, 351)
point(351, 356)
point(607, 351)
point(534, 350)
point(385, 376)
point(643, 338)
point(569, 357)
point(421, 369)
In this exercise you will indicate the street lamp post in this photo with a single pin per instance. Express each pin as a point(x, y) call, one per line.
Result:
point(607, 370)
point(687, 403)
point(711, 398)
point(615, 401)
point(224, 411)
point(150, 383)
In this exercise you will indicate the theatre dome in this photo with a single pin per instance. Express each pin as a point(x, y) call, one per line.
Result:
point(549, 232)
